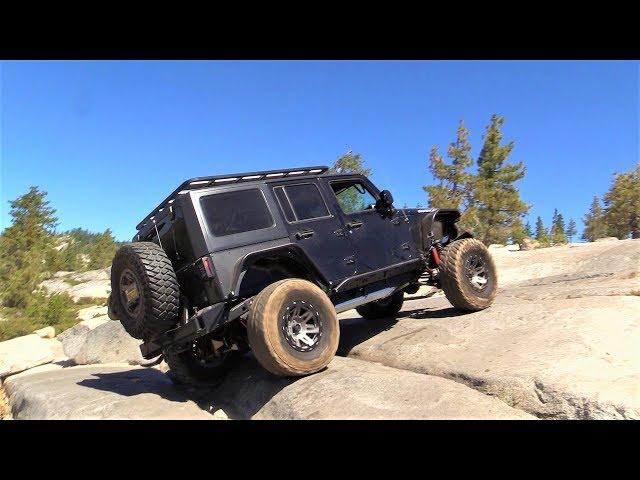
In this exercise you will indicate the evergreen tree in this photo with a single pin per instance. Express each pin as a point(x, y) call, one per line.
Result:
point(571, 229)
point(351, 163)
point(622, 205)
point(499, 206)
point(518, 232)
point(24, 246)
point(557, 228)
point(528, 231)
point(594, 222)
point(541, 232)
point(103, 251)
point(454, 183)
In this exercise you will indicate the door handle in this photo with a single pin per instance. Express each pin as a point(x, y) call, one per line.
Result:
point(355, 224)
point(304, 234)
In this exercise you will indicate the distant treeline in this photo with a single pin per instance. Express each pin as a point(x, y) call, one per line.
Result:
point(490, 202)
point(31, 249)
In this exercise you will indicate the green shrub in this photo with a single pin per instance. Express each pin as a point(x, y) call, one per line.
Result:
point(15, 327)
point(50, 310)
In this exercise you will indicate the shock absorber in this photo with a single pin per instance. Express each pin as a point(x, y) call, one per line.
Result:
point(436, 248)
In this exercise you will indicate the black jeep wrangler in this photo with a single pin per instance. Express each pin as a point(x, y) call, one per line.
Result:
point(266, 260)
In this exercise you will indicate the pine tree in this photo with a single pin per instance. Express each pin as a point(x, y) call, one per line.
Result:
point(518, 232)
point(594, 222)
point(24, 246)
point(454, 187)
point(527, 230)
point(351, 163)
point(541, 232)
point(557, 228)
point(498, 201)
point(571, 229)
point(622, 205)
point(102, 253)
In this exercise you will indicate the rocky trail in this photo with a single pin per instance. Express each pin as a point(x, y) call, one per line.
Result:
point(560, 342)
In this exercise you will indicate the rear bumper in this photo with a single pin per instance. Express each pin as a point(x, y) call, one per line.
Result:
point(204, 321)
point(181, 337)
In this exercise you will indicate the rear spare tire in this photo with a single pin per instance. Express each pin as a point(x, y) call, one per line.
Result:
point(468, 275)
point(145, 291)
point(293, 328)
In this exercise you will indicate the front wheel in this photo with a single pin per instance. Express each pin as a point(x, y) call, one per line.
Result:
point(468, 275)
point(293, 328)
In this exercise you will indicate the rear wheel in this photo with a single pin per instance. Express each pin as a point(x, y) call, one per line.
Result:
point(200, 364)
point(293, 328)
point(468, 275)
point(144, 290)
point(386, 307)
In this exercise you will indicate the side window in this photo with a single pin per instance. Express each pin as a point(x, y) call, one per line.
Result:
point(236, 212)
point(353, 196)
point(301, 202)
point(284, 203)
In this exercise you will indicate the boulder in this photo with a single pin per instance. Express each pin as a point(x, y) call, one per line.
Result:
point(91, 275)
point(22, 353)
point(91, 312)
point(557, 348)
point(109, 343)
point(55, 285)
point(606, 260)
point(348, 389)
point(606, 239)
point(47, 367)
point(46, 332)
point(73, 338)
point(94, 284)
point(93, 289)
point(113, 391)
point(529, 244)
point(62, 274)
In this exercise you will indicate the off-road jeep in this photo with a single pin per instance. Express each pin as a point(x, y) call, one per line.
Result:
point(266, 260)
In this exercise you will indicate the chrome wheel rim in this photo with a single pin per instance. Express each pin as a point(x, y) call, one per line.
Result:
point(476, 272)
point(130, 292)
point(301, 326)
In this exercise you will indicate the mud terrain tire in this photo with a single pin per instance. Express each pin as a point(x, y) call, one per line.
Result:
point(145, 290)
point(464, 289)
point(274, 316)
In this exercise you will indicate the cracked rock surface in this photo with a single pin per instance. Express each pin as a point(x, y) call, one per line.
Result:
point(562, 340)
point(564, 345)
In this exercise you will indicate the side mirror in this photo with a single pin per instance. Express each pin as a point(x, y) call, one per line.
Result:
point(386, 199)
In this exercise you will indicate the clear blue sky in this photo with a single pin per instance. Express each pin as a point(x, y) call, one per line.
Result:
point(109, 140)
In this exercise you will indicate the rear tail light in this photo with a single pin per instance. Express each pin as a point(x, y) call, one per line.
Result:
point(206, 267)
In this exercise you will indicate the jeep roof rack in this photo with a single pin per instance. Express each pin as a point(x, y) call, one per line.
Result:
point(204, 182)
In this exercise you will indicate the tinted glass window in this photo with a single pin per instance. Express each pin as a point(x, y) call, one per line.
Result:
point(284, 202)
point(306, 201)
point(353, 196)
point(236, 212)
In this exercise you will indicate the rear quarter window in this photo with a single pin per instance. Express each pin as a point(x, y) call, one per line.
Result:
point(301, 202)
point(238, 211)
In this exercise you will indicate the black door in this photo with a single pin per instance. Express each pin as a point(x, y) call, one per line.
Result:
point(379, 239)
point(316, 229)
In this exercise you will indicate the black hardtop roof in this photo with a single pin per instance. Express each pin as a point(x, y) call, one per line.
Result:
point(232, 178)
